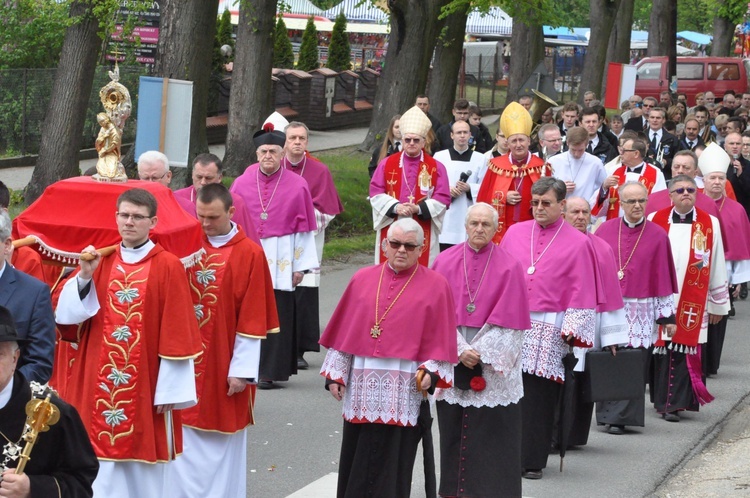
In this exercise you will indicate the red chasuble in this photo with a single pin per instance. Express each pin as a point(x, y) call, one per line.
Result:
point(29, 261)
point(428, 171)
point(232, 294)
point(504, 176)
point(647, 178)
point(694, 290)
point(146, 314)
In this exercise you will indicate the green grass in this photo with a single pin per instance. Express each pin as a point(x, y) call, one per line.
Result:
point(485, 95)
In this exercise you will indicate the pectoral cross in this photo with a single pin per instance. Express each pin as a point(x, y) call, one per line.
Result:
point(411, 198)
point(391, 183)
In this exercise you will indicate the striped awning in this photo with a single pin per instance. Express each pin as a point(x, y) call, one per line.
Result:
point(295, 7)
point(495, 22)
point(356, 10)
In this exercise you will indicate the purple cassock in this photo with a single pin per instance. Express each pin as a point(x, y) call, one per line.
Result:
point(733, 219)
point(605, 260)
point(500, 297)
point(187, 197)
point(651, 271)
point(420, 326)
point(319, 180)
point(441, 192)
point(566, 275)
point(660, 200)
point(284, 196)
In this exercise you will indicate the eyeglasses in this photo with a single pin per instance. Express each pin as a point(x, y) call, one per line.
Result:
point(631, 202)
point(395, 244)
point(412, 140)
point(647, 105)
point(627, 150)
point(681, 190)
point(546, 204)
point(552, 139)
point(135, 217)
point(153, 178)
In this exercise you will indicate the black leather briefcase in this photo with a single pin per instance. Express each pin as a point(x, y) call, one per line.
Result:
point(613, 378)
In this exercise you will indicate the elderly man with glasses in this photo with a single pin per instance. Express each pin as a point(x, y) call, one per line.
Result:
point(639, 124)
point(648, 281)
point(391, 338)
point(702, 298)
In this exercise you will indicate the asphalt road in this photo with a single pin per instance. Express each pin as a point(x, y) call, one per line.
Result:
point(294, 448)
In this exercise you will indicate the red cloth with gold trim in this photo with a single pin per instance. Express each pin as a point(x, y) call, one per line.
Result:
point(146, 314)
point(232, 295)
point(503, 176)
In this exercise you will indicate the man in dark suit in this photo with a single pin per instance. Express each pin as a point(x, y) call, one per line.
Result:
point(662, 145)
point(640, 124)
point(738, 173)
point(692, 138)
point(28, 300)
point(460, 113)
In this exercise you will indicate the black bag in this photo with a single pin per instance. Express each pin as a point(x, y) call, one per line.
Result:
point(613, 378)
point(462, 375)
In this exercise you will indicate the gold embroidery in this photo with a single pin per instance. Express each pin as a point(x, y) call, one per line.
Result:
point(298, 252)
point(283, 263)
point(205, 287)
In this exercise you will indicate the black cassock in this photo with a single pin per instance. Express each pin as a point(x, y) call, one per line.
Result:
point(62, 457)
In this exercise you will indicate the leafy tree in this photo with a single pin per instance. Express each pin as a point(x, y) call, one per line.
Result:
point(283, 55)
point(32, 33)
point(223, 37)
point(308, 50)
point(339, 52)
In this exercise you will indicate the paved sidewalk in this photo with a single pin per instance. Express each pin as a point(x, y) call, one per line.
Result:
point(18, 178)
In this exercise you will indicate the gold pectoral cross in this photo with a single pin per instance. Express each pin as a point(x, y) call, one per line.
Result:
point(375, 331)
point(411, 199)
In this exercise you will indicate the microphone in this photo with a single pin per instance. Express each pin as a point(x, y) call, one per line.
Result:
point(464, 176)
point(735, 157)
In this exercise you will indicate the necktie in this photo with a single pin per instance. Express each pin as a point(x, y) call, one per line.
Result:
point(590, 148)
point(690, 145)
point(653, 140)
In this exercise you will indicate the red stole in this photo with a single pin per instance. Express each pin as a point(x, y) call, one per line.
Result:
point(499, 180)
point(394, 176)
point(647, 178)
point(694, 290)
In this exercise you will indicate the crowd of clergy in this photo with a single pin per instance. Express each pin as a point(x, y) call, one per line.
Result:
point(574, 283)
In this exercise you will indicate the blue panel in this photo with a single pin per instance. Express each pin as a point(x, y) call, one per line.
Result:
point(149, 115)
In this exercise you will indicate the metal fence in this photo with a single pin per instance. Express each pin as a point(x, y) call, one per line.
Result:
point(24, 97)
point(483, 78)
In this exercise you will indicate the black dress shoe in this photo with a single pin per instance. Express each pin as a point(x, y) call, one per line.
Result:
point(671, 417)
point(267, 384)
point(616, 429)
point(743, 291)
point(532, 474)
point(302, 363)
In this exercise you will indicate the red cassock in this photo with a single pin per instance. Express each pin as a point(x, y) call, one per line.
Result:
point(233, 295)
point(146, 314)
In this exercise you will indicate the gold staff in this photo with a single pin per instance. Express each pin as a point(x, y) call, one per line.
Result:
point(40, 415)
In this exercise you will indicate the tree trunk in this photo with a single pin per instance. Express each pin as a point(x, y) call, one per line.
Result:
point(414, 29)
point(602, 13)
point(185, 52)
point(721, 45)
point(618, 49)
point(250, 101)
point(662, 35)
point(444, 77)
point(527, 50)
point(62, 131)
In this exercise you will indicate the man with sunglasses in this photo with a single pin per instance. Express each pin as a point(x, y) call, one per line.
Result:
point(639, 124)
point(550, 250)
point(703, 297)
point(648, 281)
point(391, 338)
point(133, 320)
point(411, 184)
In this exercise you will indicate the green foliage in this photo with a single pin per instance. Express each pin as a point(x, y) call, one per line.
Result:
point(339, 52)
point(325, 4)
point(32, 33)
point(283, 56)
point(308, 50)
point(223, 37)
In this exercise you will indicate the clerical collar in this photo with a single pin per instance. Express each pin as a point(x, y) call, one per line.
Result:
point(478, 251)
point(633, 225)
point(221, 240)
point(399, 273)
point(683, 218)
point(6, 393)
point(635, 169)
point(554, 224)
point(269, 175)
point(135, 254)
point(293, 164)
point(456, 155)
point(521, 162)
point(2, 268)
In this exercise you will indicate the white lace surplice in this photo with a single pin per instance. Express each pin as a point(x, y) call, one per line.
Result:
point(380, 390)
point(642, 315)
point(500, 351)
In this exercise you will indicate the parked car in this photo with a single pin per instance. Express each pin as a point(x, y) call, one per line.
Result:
point(694, 75)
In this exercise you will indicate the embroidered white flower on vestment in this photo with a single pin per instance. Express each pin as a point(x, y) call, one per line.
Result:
point(127, 295)
point(114, 417)
point(118, 377)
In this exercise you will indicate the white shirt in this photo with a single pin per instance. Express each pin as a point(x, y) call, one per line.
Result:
point(587, 173)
